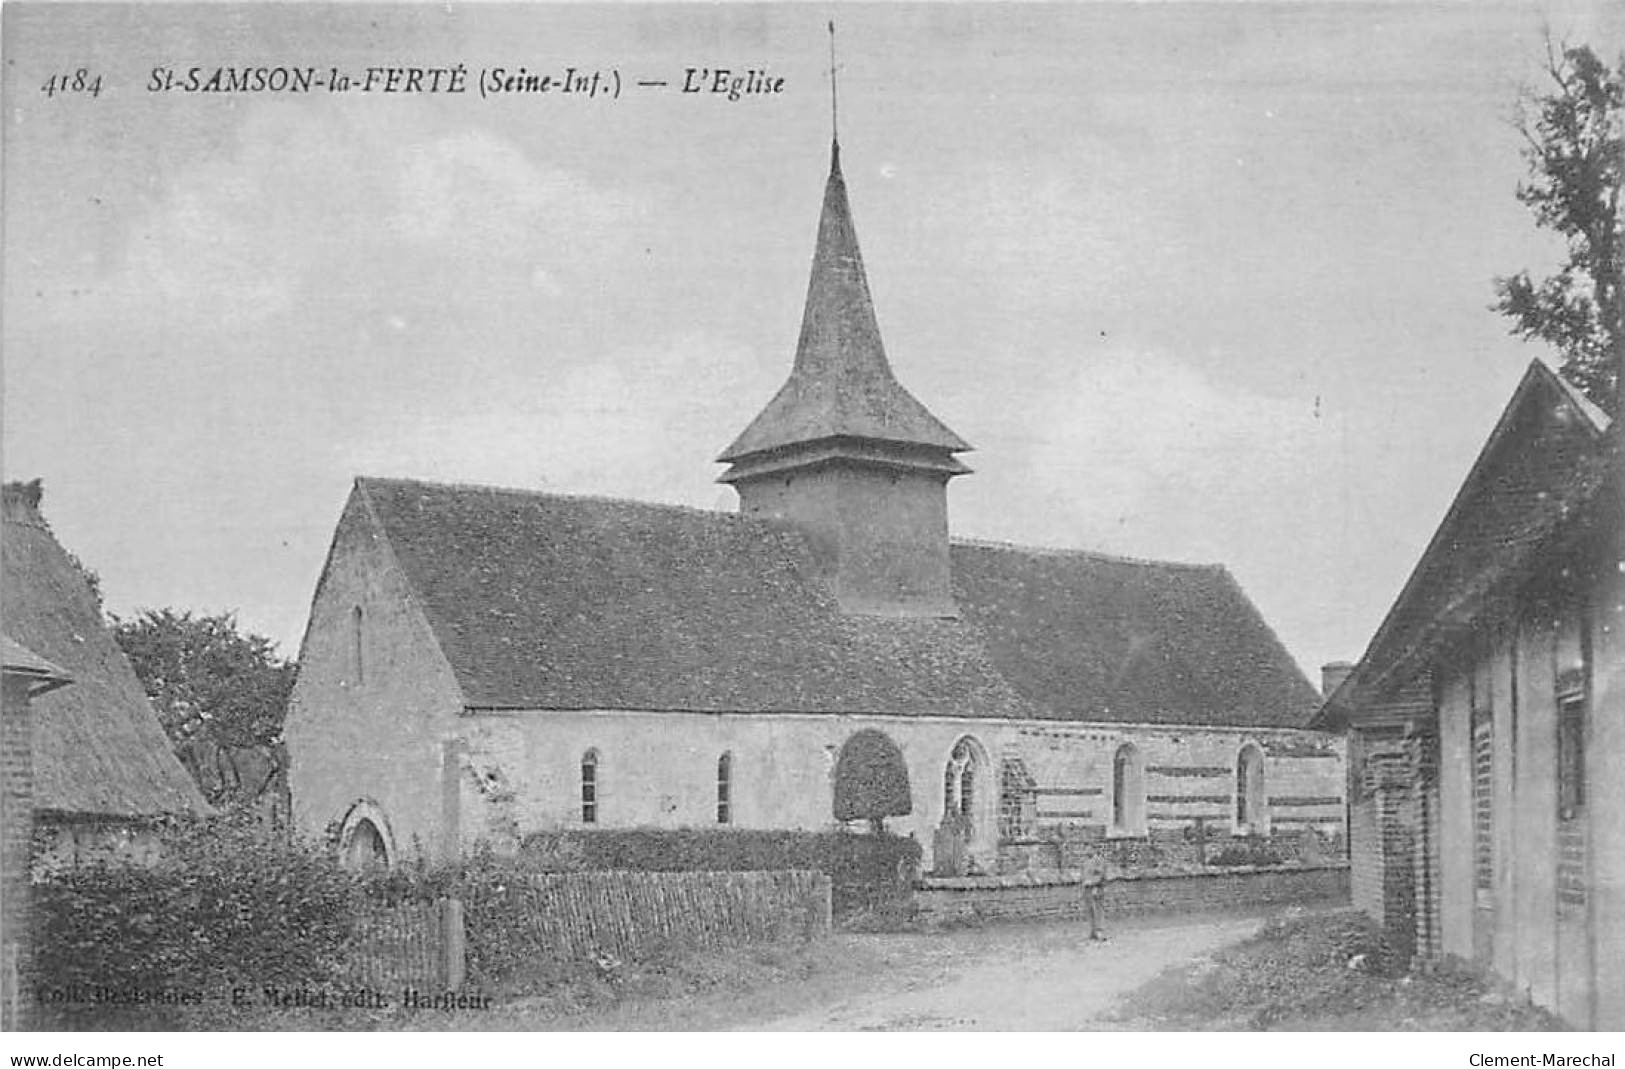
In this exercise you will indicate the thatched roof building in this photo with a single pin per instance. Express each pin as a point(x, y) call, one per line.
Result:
point(99, 752)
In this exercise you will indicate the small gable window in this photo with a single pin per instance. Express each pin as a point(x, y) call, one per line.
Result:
point(590, 784)
point(356, 661)
point(725, 770)
point(1250, 815)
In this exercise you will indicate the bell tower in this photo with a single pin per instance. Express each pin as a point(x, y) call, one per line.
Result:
point(847, 454)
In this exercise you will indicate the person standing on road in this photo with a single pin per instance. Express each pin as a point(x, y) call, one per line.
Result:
point(1094, 895)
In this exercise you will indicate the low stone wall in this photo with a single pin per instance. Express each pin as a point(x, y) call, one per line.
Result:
point(1199, 845)
point(1059, 895)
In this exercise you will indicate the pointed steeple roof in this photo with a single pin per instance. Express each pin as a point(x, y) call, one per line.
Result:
point(841, 385)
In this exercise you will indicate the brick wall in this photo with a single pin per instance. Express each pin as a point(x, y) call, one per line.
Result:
point(1423, 752)
point(1060, 896)
point(1391, 806)
point(1394, 810)
point(17, 813)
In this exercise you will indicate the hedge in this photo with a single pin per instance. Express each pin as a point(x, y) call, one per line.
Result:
point(224, 907)
point(221, 907)
point(865, 871)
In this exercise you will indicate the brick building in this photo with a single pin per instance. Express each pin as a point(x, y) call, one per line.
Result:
point(25, 676)
point(482, 663)
point(1485, 714)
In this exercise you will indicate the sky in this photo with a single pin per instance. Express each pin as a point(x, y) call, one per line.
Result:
point(1200, 282)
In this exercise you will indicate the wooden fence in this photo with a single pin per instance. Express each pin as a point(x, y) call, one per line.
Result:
point(579, 916)
point(414, 944)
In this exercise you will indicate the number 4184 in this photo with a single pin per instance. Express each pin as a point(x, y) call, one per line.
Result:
point(80, 81)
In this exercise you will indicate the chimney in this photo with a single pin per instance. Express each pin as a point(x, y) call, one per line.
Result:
point(1332, 675)
point(22, 500)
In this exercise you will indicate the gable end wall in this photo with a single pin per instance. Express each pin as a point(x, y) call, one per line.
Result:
point(382, 739)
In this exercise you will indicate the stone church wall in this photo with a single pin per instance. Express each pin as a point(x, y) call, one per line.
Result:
point(522, 774)
point(373, 704)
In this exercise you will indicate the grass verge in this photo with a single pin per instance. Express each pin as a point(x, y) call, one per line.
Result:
point(670, 989)
point(1325, 970)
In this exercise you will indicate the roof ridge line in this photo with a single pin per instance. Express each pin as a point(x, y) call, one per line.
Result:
point(1599, 419)
point(523, 491)
point(958, 540)
point(1092, 554)
point(1537, 370)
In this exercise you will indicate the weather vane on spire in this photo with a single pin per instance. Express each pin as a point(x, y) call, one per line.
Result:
point(834, 100)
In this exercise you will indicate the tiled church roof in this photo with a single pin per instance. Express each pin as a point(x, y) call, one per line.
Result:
point(542, 601)
point(1108, 638)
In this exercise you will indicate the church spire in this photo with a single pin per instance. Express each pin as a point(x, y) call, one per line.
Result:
point(843, 451)
point(841, 384)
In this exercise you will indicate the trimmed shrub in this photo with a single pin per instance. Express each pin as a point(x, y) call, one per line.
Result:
point(864, 870)
point(871, 780)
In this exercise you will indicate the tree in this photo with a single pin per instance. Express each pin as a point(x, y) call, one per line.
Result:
point(208, 681)
point(1575, 135)
point(871, 780)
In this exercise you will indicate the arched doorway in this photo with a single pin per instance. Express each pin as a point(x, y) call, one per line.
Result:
point(366, 848)
point(364, 839)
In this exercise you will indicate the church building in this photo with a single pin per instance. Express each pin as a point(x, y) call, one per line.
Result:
point(482, 664)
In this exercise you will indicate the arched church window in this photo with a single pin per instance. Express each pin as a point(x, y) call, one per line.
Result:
point(959, 780)
point(1128, 791)
point(590, 784)
point(1250, 791)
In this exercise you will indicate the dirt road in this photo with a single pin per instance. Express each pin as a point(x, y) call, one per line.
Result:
point(1042, 979)
point(1000, 977)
